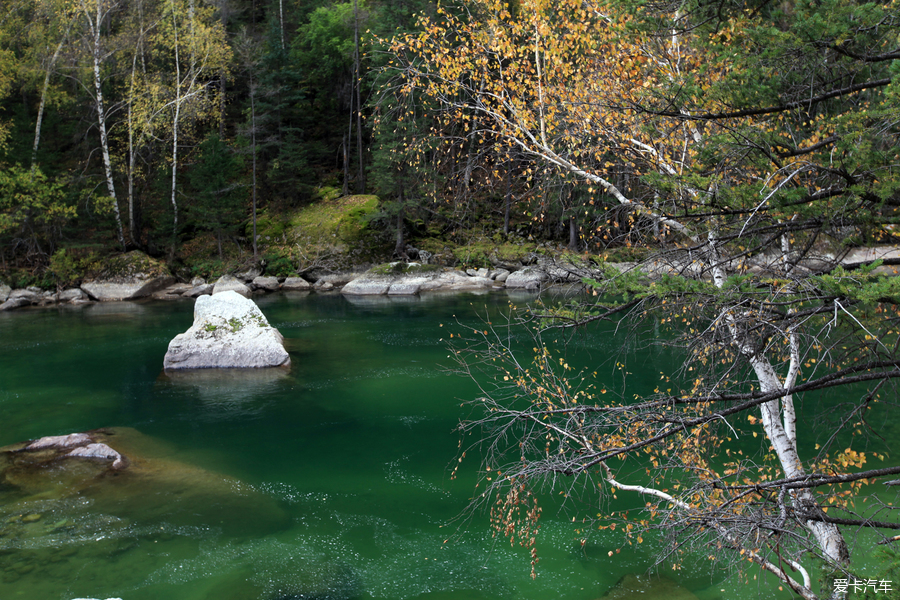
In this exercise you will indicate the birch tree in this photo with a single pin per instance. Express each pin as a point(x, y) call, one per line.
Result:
point(763, 139)
point(193, 43)
point(96, 16)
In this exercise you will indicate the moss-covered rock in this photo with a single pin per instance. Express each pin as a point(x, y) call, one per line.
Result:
point(128, 276)
point(129, 266)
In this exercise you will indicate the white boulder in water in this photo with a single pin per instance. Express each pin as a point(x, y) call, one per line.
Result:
point(229, 331)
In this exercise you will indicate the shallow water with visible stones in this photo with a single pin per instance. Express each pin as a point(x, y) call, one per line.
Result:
point(328, 482)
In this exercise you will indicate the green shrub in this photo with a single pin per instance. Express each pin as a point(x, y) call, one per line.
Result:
point(279, 265)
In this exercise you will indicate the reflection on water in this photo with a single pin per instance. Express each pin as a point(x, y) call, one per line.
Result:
point(227, 393)
point(329, 481)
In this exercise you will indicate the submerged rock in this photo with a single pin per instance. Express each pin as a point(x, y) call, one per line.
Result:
point(640, 587)
point(229, 331)
point(99, 451)
point(49, 449)
point(160, 488)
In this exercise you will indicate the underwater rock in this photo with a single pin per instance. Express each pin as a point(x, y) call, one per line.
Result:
point(640, 587)
point(101, 451)
point(76, 445)
point(229, 331)
point(159, 488)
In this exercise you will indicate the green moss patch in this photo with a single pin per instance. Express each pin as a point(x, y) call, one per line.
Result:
point(334, 221)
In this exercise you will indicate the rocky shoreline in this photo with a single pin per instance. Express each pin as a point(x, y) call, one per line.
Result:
point(391, 279)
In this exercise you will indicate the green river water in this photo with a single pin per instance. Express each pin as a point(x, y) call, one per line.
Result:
point(329, 483)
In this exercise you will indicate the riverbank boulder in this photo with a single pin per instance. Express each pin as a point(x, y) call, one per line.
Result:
point(128, 277)
point(230, 283)
point(229, 331)
point(402, 279)
point(295, 284)
point(5, 291)
point(529, 278)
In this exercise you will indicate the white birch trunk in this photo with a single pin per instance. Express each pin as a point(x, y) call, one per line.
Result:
point(175, 135)
point(131, 153)
point(94, 25)
point(43, 103)
point(780, 427)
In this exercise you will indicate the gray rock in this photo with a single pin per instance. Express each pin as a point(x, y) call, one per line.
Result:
point(527, 278)
point(77, 445)
point(11, 304)
point(229, 331)
point(456, 281)
point(228, 283)
point(337, 279)
point(5, 290)
point(369, 285)
point(196, 281)
point(267, 283)
point(500, 275)
point(71, 295)
point(325, 286)
point(125, 289)
point(408, 286)
point(29, 296)
point(249, 275)
point(295, 284)
point(204, 289)
point(19, 298)
point(172, 292)
point(99, 451)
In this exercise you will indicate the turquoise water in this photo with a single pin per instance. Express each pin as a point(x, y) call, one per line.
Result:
point(329, 482)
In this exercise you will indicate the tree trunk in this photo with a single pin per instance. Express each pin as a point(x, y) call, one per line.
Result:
point(131, 160)
point(281, 21)
point(400, 244)
point(175, 139)
point(345, 189)
point(361, 184)
point(43, 103)
point(94, 25)
point(828, 536)
point(573, 234)
point(253, 146)
point(507, 199)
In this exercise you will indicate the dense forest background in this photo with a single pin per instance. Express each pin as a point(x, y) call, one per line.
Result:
point(194, 130)
point(303, 135)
